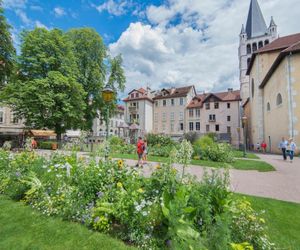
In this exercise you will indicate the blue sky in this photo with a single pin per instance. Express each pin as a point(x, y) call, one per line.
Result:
point(163, 42)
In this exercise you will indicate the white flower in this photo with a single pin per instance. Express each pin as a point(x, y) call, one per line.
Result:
point(144, 213)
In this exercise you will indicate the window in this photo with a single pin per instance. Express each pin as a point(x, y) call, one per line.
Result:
point(13, 119)
point(252, 87)
point(197, 112)
point(260, 44)
point(191, 112)
point(112, 123)
point(248, 49)
point(278, 100)
point(172, 127)
point(137, 95)
point(132, 95)
point(181, 126)
point(172, 102)
point(217, 128)
point(216, 105)
point(164, 103)
point(155, 117)
point(181, 101)
point(163, 127)
point(1, 116)
point(156, 103)
point(207, 128)
point(268, 106)
point(254, 47)
point(266, 42)
point(228, 130)
point(172, 116)
point(228, 105)
point(207, 105)
point(197, 126)
point(181, 116)
point(116, 123)
point(191, 126)
point(212, 118)
point(228, 118)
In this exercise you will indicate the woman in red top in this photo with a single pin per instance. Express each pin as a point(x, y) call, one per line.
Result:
point(140, 151)
point(264, 147)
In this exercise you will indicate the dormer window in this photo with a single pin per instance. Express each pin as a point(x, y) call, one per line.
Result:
point(132, 95)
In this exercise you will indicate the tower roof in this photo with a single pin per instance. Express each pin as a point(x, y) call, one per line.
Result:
point(256, 25)
point(272, 23)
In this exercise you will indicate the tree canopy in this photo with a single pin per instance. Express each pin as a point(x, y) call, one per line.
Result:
point(7, 50)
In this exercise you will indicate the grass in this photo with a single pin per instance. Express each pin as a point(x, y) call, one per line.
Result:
point(240, 154)
point(23, 228)
point(282, 219)
point(238, 164)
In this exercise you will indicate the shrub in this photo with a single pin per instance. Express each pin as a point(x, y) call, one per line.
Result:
point(201, 144)
point(191, 137)
point(220, 152)
point(162, 140)
point(45, 144)
point(115, 140)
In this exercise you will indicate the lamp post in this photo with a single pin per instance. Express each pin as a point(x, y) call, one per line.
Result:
point(107, 95)
point(244, 123)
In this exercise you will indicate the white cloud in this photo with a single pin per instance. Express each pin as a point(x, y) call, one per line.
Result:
point(23, 16)
point(114, 7)
point(58, 11)
point(193, 42)
point(36, 8)
point(40, 25)
point(13, 4)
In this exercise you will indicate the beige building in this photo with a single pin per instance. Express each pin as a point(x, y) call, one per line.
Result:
point(216, 112)
point(274, 89)
point(169, 110)
point(11, 128)
point(139, 109)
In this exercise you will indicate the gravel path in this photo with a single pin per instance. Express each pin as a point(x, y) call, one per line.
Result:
point(282, 184)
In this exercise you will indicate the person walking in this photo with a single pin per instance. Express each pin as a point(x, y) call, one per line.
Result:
point(264, 147)
point(291, 149)
point(140, 150)
point(283, 145)
point(145, 153)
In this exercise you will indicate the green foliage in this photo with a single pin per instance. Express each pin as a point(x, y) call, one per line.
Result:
point(7, 50)
point(45, 144)
point(201, 144)
point(161, 140)
point(191, 136)
point(157, 212)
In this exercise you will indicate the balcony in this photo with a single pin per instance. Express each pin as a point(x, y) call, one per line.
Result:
point(133, 109)
point(212, 120)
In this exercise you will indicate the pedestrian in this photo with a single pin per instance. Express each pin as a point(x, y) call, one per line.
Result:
point(264, 147)
point(145, 153)
point(140, 151)
point(33, 144)
point(291, 149)
point(283, 145)
point(258, 147)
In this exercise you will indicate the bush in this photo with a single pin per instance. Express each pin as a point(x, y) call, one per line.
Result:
point(191, 137)
point(45, 144)
point(219, 152)
point(162, 140)
point(115, 140)
point(201, 144)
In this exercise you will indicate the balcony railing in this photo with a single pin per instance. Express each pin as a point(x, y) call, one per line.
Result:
point(212, 120)
point(133, 109)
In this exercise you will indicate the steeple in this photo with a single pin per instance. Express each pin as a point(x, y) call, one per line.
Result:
point(242, 30)
point(272, 23)
point(256, 25)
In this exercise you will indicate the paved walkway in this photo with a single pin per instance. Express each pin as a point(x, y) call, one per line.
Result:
point(282, 184)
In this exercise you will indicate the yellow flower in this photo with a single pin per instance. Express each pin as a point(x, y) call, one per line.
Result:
point(120, 163)
point(140, 190)
point(158, 167)
point(174, 171)
point(262, 220)
point(119, 185)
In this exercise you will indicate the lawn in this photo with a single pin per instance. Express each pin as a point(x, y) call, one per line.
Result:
point(240, 154)
point(238, 164)
point(283, 221)
point(23, 228)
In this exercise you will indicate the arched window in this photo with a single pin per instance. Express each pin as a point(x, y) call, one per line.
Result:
point(260, 44)
point(254, 47)
point(266, 42)
point(268, 106)
point(248, 49)
point(278, 100)
point(252, 87)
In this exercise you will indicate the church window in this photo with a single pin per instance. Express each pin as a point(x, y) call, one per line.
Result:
point(266, 42)
point(248, 49)
point(252, 87)
point(260, 44)
point(278, 100)
point(254, 47)
point(268, 106)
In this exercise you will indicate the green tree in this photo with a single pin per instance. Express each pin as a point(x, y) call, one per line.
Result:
point(94, 67)
point(7, 50)
point(47, 94)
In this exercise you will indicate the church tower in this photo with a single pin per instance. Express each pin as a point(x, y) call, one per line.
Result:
point(253, 37)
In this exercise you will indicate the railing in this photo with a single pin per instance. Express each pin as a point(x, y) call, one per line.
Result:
point(133, 109)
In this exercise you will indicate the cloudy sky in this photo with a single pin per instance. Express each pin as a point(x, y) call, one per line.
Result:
point(163, 43)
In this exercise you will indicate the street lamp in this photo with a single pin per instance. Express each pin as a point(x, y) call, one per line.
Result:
point(244, 123)
point(108, 96)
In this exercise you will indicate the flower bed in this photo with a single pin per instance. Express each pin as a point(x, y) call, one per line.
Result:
point(164, 211)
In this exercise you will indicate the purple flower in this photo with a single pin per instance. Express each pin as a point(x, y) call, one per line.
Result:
point(96, 219)
point(99, 194)
point(18, 174)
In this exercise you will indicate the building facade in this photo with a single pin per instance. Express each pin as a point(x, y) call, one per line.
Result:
point(274, 73)
point(252, 38)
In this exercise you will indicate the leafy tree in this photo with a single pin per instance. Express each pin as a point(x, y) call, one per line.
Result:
point(7, 50)
point(47, 93)
point(94, 67)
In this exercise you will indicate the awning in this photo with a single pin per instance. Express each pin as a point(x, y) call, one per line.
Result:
point(42, 133)
point(123, 125)
point(73, 133)
point(134, 127)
